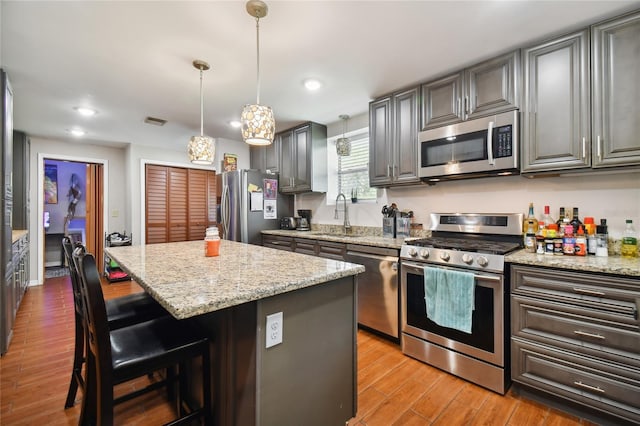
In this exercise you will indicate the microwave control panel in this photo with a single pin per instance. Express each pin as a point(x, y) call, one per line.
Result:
point(503, 145)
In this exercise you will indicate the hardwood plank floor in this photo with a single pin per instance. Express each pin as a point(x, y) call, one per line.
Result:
point(392, 389)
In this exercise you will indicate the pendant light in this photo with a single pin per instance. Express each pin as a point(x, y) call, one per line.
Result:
point(258, 124)
point(343, 144)
point(201, 148)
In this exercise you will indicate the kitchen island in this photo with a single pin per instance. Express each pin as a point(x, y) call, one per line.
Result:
point(309, 378)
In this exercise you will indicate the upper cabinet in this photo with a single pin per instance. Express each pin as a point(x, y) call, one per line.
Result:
point(555, 111)
point(266, 158)
point(616, 91)
point(577, 116)
point(303, 159)
point(487, 88)
point(393, 139)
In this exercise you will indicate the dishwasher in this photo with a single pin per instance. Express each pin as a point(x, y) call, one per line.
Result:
point(378, 297)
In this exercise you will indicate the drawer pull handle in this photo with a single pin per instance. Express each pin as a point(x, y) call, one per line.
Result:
point(584, 333)
point(588, 292)
point(589, 387)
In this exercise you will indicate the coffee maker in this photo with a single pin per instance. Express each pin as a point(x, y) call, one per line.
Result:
point(304, 221)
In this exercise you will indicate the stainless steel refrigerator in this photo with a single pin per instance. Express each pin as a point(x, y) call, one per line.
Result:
point(8, 304)
point(250, 203)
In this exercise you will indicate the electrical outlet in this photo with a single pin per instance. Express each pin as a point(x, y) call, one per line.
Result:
point(273, 329)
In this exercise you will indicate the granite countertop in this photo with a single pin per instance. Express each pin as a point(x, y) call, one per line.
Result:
point(186, 283)
point(366, 240)
point(16, 234)
point(610, 265)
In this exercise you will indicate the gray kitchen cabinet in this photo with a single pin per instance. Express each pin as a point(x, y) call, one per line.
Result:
point(303, 159)
point(616, 91)
point(277, 242)
point(555, 111)
point(393, 139)
point(266, 158)
point(490, 87)
point(576, 335)
point(331, 250)
point(21, 204)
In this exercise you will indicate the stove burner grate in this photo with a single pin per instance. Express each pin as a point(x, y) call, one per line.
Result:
point(465, 244)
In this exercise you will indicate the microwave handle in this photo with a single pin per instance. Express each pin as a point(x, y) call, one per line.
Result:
point(490, 144)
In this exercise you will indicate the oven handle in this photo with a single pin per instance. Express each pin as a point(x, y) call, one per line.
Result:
point(417, 268)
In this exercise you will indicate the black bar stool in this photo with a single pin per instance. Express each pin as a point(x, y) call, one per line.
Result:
point(121, 312)
point(117, 356)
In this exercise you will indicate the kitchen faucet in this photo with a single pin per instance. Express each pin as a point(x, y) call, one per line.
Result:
point(347, 225)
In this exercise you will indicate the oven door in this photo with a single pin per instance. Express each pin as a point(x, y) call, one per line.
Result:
point(486, 341)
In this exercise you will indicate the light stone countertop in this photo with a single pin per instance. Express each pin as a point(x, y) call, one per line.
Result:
point(366, 240)
point(16, 234)
point(186, 283)
point(609, 265)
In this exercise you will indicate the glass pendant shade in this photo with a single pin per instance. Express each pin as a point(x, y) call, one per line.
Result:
point(201, 150)
point(343, 147)
point(343, 144)
point(258, 124)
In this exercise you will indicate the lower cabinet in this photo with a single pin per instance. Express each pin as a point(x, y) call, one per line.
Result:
point(378, 294)
point(577, 336)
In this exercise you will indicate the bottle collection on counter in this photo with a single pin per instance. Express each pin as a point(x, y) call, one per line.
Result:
point(569, 236)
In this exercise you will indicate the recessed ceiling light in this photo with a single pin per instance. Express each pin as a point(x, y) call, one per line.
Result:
point(77, 132)
point(87, 112)
point(235, 123)
point(312, 84)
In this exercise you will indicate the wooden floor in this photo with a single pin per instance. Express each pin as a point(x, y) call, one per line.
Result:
point(392, 389)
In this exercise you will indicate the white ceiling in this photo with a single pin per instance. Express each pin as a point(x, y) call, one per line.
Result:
point(132, 59)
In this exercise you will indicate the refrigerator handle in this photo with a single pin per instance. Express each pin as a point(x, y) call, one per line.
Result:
point(224, 211)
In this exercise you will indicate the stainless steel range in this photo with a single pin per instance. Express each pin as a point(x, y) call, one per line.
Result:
point(467, 247)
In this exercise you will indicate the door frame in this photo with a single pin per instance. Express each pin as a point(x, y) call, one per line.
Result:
point(40, 198)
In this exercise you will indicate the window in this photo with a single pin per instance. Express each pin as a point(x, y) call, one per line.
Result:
point(352, 172)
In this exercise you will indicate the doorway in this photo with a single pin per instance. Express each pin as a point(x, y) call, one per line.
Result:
point(70, 203)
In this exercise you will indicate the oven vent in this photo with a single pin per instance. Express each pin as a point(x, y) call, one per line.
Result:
point(155, 121)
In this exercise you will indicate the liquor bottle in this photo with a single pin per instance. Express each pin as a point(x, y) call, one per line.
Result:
point(530, 220)
point(560, 222)
point(575, 220)
point(546, 218)
point(629, 241)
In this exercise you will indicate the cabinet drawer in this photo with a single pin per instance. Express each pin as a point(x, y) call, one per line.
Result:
point(616, 295)
point(577, 329)
point(331, 250)
point(278, 242)
point(581, 379)
point(305, 246)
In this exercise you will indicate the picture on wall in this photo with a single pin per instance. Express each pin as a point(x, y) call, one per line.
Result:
point(51, 184)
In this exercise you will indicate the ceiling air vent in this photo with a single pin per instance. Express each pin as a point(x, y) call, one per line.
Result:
point(155, 121)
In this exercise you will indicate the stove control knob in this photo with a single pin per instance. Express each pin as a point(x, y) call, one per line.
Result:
point(424, 253)
point(413, 252)
point(483, 261)
point(444, 256)
point(467, 258)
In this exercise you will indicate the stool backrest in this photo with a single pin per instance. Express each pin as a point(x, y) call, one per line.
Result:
point(67, 247)
point(95, 317)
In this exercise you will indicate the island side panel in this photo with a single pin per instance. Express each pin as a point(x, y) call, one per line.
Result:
point(310, 378)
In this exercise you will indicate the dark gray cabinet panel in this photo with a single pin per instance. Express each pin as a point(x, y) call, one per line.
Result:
point(303, 159)
point(616, 91)
point(555, 112)
point(442, 101)
point(490, 87)
point(21, 204)
point(576, 335)
point(266, 158)
point(393, 139)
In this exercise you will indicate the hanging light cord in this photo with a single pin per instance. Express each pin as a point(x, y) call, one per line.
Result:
point(258, 60)
point(201, 106)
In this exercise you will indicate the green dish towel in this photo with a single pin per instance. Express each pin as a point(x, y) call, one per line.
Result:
point(449, 297)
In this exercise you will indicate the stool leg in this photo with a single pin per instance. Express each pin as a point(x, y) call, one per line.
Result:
point(207, 394)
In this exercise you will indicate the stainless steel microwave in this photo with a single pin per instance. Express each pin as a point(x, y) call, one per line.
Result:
point(486, 146)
